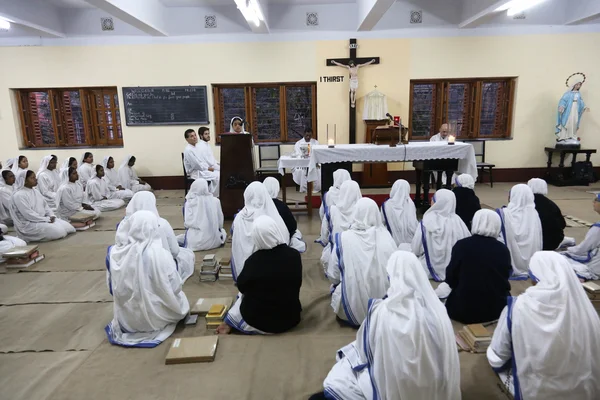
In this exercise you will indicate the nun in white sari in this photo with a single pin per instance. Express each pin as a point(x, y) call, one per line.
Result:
point(98, 193)
point(405, 349)
point(145, 284)
point(184, 258)
point(33, 220)
point(48, 180)
point(202, 218)
point(8, 242)
point(341, 216)
point(70, 197)
point(437, 233)
point(521, 229)
point(257, 202)
point(357, 264)
point(6, 192)
point(399, 213)
point(111, 176)
point(128, 177)
point(546, 344)
point(331, 196)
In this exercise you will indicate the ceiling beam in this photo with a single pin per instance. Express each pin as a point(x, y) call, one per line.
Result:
point(145, 15)
point(247, 8)
point(476, 12)
point(583, 11)
point(35, 15)
point(370, 12)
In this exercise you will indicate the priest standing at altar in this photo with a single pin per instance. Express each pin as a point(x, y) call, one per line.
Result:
point(304, 146)
point(199, 160)
point(442, 136)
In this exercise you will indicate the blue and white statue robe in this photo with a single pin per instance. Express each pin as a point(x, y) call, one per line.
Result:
point(568, 122)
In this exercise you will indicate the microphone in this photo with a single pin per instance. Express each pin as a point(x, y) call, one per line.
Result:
point(389, 116)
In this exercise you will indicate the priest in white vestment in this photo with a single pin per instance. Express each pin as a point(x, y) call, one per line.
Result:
point(202, 218)
point(442, 135)
point(86, 169)
point(99, 195)
point(329, 198)
point(405, 349)
point(49, 180)
point(199, 161)
point(71, 198)
point(147, 289)
point(521, 229)
point(128, 177)
point(357, 265)
point(546, 343)
point(257, 202)
point(111, 176)
point(8, 242)
point(303, 148)
point(399, 213)
point(33, 220)
point(184, 258)
point(7, 181)
point(437, 233)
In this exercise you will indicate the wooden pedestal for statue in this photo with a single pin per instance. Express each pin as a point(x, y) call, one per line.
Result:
point(237, 171)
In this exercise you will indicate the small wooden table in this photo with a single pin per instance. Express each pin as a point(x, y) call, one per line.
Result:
point(563, 177)
point(295, 162)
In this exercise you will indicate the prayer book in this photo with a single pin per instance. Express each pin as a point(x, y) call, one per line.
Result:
point(476, 337)
point(225, 261)
point(24, 263)
point(81, 217)
point(202, 306)
point(20, 251)
point(591, 287)
point(215, 315)
point(191, 350)
point(209, 258)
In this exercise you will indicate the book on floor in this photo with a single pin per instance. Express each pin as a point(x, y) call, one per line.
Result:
point(591, 287)
point(20, 251)
point(225, 261)
point(81, 217)
point(24, 263)
point(191, 350)
point(476, 337)
point(203, 305)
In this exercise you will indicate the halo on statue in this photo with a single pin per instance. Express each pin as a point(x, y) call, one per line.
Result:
point(573, 75)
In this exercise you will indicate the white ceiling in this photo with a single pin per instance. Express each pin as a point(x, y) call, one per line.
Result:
point(68, 3)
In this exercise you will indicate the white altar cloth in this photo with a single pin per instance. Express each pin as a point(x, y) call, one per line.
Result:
point(414, 151)
point(289, 162)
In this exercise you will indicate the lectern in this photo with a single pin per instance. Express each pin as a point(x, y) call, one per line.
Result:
point(237, 171)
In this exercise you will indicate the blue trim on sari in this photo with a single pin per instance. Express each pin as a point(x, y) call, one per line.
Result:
point(107, 262)
point(146, 344)
point(367, 348)
point(510, 304)
point(385, 218)
point(347, 309)
point(331, 394)
point(426, 251)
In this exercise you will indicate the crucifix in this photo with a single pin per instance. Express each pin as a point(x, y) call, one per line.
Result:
point(352, 64)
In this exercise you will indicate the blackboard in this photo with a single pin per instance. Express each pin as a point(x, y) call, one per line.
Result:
point(178, 105)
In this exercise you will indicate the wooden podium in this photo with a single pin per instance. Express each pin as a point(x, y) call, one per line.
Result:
point(378, 132)
point(237, 171)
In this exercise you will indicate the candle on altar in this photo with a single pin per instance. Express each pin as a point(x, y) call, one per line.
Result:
point(451, 139)
point(330, 142)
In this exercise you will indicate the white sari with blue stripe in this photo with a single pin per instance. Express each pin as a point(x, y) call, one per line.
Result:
point(585, 257)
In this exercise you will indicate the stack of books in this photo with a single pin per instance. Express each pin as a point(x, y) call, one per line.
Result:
point(593, 292)
point(225, 270)
point(216, 315)
point(22, 257)
point(209, 272)
point(81, 221)
point(474, 338)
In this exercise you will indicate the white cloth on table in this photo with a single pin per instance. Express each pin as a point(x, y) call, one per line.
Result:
point(8, 242)
point(128, 178)
point(330, 197)
point(550, 335)
point(111, 177)
point(300, 174)
point(585, 258)
point(184, 258)
point(257, 202)
point(437, 233)
point(70, 198)
point(6, 193)
point(86, 172)
point(521, 229)
point(399, 213)
point(405, 349)
point(202, 218)
point(31, 215)
point(146, 287)
point(358, 261)
point(342, 215)
point(375, 106)
point(48, 182)
point(197, 161)
point(99, 195)
point(296, 242)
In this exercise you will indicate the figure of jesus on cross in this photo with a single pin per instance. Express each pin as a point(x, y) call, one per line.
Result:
point(353, 70)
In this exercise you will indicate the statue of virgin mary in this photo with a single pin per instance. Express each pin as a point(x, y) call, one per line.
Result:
point(570, 110)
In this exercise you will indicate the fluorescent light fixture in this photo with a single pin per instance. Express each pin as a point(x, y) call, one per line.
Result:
point(518, 6)
point(251, 11)
point(4, 24)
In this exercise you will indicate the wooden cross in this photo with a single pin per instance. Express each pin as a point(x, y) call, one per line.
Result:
point(346, 61)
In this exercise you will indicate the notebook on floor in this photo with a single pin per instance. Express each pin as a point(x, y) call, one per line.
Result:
point(191, 350)
point(203, 305)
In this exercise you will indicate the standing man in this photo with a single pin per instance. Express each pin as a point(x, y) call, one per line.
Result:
point(442, 136)
point(197, 164)
point(299, 174)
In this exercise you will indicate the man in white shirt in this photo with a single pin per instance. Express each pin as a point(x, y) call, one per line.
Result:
point(442, 136)
point(301, 148)
point(199, 161)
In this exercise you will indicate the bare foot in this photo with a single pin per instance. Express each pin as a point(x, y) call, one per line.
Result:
point(581, 280)
point(223, 329)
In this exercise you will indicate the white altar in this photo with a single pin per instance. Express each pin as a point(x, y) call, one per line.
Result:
point(414, 151)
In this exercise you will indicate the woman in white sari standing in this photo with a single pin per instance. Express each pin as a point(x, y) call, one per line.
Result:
point(546, 344)
point(399, 213)
point(71, 199)
point(98, 193)
point(49, 180)
point(111, 176)
point(202, 218)
point(142, 276)
point(405, 349)
point(521, 229)
point(357, 264)
point(128, 177)
point(184, 258)
point(32, 218)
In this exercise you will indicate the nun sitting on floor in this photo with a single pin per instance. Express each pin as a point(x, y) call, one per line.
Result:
point(142, 276)
point(202, 218)
point(269, 284)
point(467, 202)
point(521, 229)
point(331, 196)
point(437, 233)
point(296, 242)
point(399, 213)
point(357, 264)
point(405, 349)
point(585, 257)
point(553, 222)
